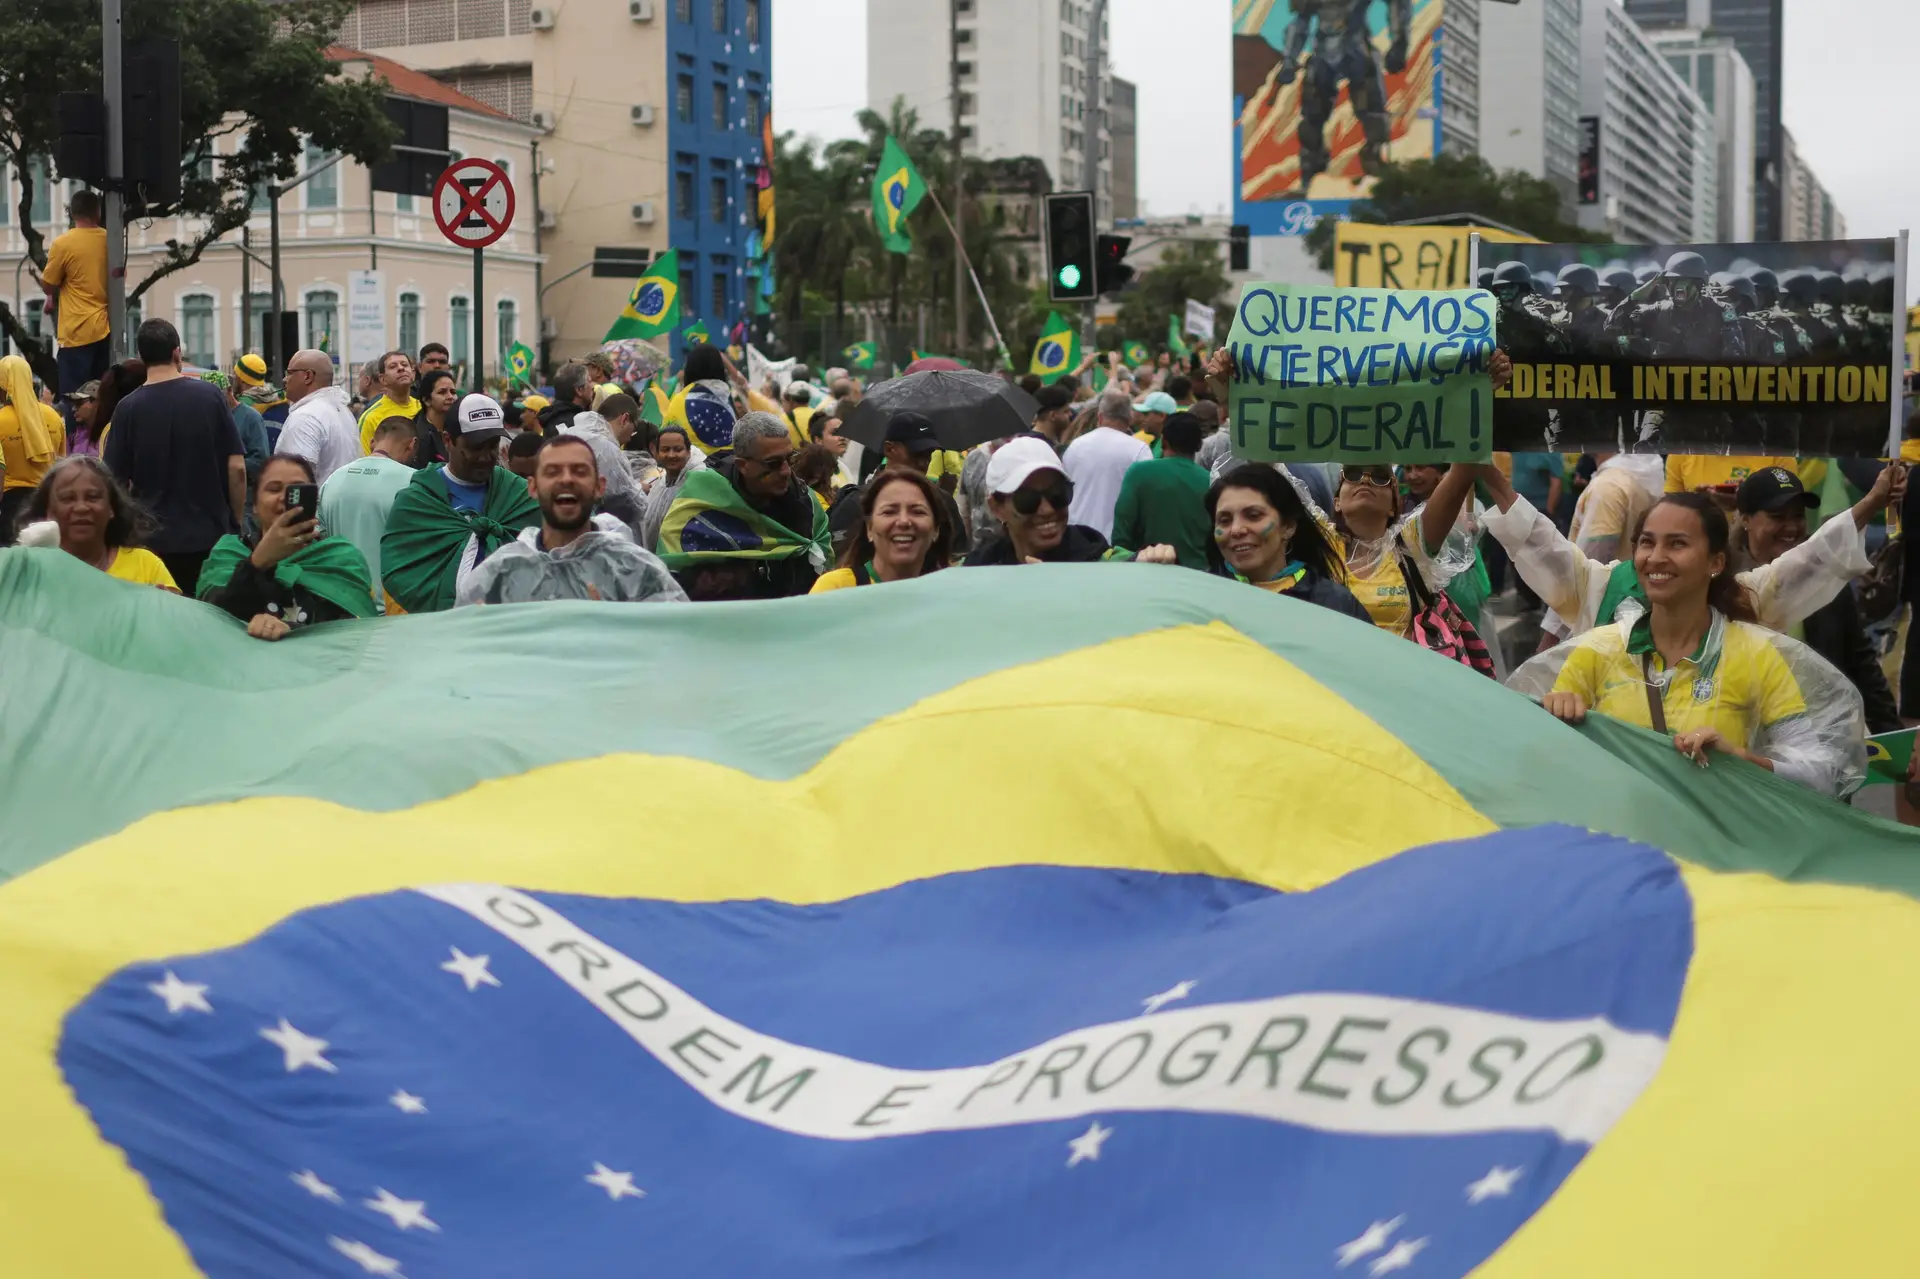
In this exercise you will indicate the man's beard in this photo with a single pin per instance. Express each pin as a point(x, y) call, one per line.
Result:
point(567, 524)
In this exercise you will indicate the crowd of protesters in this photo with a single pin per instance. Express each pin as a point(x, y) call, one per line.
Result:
point(1703, 598)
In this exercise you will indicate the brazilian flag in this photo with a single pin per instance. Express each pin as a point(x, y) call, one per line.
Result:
point(520, 359)
point(1472, 992)
point(653, 307)
point(897, 191)
point(696, 333)
point(1057, 352)
point(1136, 354)
point(653, 403)
point(861, 355)
point(1177, 340)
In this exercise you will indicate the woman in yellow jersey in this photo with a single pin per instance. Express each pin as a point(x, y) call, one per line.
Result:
point(1382, 548)
point(80, 508)
point(1697, 668)
point(903, 533)
point(32, 437)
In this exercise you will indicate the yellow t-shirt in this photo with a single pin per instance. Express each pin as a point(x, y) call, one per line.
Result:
point(142, 568)
point(946, 462)
point(77, 266)
point(1687, 473)
point(1739, 690)
point(1609, 509)
point(379, 411)
point(1382, 589)
point(21, 471)
point(838, 579)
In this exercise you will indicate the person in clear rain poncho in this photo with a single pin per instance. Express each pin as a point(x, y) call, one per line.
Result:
point(1695, 667)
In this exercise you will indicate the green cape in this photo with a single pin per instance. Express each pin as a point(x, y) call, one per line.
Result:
point(331, 568)
point(420, 551)
point(724, 526)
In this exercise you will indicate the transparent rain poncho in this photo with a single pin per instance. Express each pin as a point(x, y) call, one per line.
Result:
point(624, 498)
point(1762, 690)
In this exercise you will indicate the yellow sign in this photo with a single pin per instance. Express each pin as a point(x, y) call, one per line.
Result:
point(1913, 338)
point(1408, 257)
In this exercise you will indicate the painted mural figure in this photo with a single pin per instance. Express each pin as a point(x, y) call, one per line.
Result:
point(1342, 51)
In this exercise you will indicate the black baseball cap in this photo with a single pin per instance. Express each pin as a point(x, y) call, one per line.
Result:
point(1054, 397)
point(1773, 488)
point(915, 430)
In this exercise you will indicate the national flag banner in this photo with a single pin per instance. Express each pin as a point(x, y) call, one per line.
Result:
point(1176, 340)
point(520, 362)
point(1471, 993)
point(861, 355)
point(653, 404)
point(1136, 354)
point(897, 191)
point(1888, 756)
point(1057, 353)
point(653, 307)
point(696, 333)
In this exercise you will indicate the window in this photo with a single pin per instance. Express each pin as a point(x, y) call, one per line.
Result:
point(402, 202)
point(966, 104)
point(36, 309)
point(683, 100)
point(261, 203)
point(508, 317)
point(460, 322)
point(323, 190)
point(687, 278)
point(135, 313)
point(683, 10)
point(720, 307)
point(196, 331)
point(719, 106)
point(753, 113)
point(720, 15)
point(753, 21)
point(683, 194)
point(42, 210)
point(963, 35)
point(259, 306)
point(6, 197)
point(718, 193)
point(323, 322)
point(410, 322)
point(1704, 79)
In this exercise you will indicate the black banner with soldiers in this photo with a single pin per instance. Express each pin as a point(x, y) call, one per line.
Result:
point(1767, 349)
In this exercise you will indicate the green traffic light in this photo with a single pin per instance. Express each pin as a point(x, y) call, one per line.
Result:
point(1069, 276)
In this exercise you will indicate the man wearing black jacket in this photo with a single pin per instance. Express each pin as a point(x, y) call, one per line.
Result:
point(572, 396)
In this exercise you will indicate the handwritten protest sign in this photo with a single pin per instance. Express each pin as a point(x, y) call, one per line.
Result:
point(1361, 375)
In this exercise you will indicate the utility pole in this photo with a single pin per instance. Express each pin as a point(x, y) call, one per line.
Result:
point(1098, 120)
point(539, 288)
point(246, 290)
point(959, 186)
point(277, 366)
point(116, 209)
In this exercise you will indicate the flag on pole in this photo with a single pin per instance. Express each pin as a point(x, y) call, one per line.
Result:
point(520, 360)
point(653, 307)
point(1136, 354)
point(1176, 340)
point(696, 333)
point(1057, 351)
point(861, 355)
point(897, 191)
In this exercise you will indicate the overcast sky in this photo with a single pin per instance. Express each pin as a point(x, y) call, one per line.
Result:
point(1852, 71)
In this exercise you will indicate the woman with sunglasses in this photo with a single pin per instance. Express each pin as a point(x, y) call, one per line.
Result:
point(1382, 548)
point(1029, 492)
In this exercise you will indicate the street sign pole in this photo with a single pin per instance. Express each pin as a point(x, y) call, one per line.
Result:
point(473, 207)
point(479, 326)
point(119, 341)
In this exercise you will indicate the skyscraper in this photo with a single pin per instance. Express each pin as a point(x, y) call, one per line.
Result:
point(1754, 26)
point(1533, 122)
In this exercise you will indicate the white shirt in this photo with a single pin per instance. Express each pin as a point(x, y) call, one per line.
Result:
point(321, 429)
point(1096, 463)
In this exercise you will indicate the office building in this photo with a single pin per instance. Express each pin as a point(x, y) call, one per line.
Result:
point(363, 271)
point(1712, 66)
point(651, 114)
point(1658, 149)
point(1532, 52)
point(1026, 87)
point(1754, 26)
point(1808, 212)
point(1126, 151)
point(1461, 57)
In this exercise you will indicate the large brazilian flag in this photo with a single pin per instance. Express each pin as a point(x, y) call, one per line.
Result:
point(1095, 920)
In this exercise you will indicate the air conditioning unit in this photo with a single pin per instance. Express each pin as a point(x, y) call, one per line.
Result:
point(549, 327)
point(540, 18)
point(549, 220)
point(643, 213)
point(542, 120)
point(642, 114)
point(640, 10)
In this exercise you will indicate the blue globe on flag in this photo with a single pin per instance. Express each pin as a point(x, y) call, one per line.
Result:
point(1052, 354)
point(896, 193)
point(652, 301)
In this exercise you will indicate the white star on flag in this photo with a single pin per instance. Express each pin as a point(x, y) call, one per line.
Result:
point(370, 1261)
point(1153, 1003)
point(407, 1103)
point(300, 1049)
point(1398, 1257)
point(181, 995)
point(406, 1213)
point(1087, 1144)
point(1497, 1184)
point(310, 1182)
point(471, 969)
point(618, 1185)
point(1371, 1240)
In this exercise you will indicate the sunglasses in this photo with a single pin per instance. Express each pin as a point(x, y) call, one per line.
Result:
point(1380, 477)
point(782, 463)
point(1059, 496)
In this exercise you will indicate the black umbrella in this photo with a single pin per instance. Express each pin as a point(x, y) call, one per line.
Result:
point(967, 407)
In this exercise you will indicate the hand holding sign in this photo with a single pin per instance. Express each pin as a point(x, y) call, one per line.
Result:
point(1360, 375)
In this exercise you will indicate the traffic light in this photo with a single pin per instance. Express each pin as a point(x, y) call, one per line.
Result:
point(1111, 272)
point(1071, 268)
point(150, 124)
point(1237, 246)
point(80, 152)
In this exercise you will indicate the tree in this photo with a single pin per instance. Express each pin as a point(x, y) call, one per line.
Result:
point(1454, 184)
point(247, 67)
point(1188, 269)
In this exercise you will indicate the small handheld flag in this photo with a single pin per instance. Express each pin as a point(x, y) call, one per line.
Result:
point(897, 191)
point(1057, 351)
point(696, 333)
point(1136, 354)
point(861, 355)
point(653, 307)
point(1177, 340)
point(520, 359)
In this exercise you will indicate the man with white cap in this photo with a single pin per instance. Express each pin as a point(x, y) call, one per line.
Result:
point(1030, 494)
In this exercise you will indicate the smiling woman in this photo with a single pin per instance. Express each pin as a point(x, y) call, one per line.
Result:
point(904, 533)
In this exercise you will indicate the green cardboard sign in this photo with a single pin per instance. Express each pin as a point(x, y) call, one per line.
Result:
point(1325, 374)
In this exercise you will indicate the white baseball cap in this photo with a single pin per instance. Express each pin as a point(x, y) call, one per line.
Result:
point(1014, 462)
point(479, 417)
